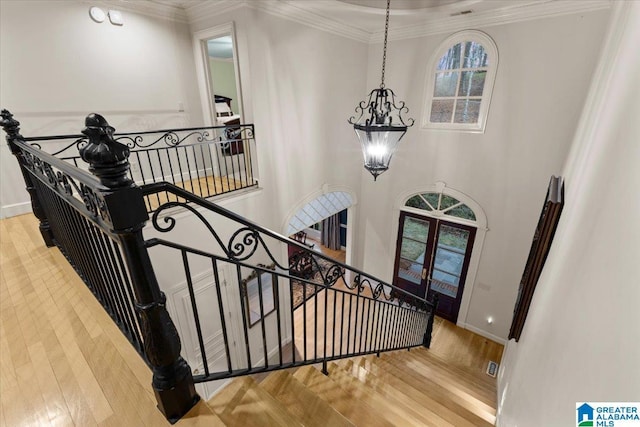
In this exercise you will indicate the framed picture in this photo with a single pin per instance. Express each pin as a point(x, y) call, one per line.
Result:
point(542, 239)
point(260, 285)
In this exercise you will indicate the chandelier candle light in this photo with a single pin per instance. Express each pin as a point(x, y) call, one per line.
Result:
point(380, 126)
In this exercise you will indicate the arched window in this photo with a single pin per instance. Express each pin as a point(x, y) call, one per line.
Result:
point(460, 81)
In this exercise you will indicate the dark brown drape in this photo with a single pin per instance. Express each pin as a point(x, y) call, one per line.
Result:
point(331, 232)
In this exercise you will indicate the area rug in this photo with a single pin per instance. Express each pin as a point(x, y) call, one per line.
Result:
point(298, 288)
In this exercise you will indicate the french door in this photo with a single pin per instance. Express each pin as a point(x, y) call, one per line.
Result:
point(432, 255)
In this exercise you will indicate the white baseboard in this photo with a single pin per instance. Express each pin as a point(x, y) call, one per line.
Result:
point(8, 211)
point(483, 333)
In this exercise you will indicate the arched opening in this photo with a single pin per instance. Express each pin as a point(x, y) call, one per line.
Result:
point(324, 223)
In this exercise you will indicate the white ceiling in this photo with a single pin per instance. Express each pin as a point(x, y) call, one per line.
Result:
point(364, 19)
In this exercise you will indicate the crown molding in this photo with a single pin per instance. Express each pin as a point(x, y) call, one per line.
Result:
point(209, 9)
point(305, 13)
point(492, 18)
point(155, 10)
point(298, 12)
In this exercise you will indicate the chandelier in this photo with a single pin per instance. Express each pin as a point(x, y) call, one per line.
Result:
point(380, 125)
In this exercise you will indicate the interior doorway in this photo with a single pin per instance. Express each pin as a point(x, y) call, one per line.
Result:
point(217, 64)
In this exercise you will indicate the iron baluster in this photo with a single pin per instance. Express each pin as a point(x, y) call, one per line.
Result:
point(304, 318)
point(333, 330)
point(245, 323)
point(341, 323)
point(223, 323)
point(293, 332)
point(262, 321)
point(349, 323)
point(315, 321)
point(276, 289)
point(196, 314)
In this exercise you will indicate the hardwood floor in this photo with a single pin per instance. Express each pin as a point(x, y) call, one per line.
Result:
point(64, 362)
point(204, 187)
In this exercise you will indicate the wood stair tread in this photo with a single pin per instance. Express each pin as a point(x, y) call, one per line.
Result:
point(451, 392)
point(479, 375)
point(247, 404)
point(360, 413)
point(442, 376)
point(394, 408)
point(303, 403)
point(423, 363)
point(388, 384)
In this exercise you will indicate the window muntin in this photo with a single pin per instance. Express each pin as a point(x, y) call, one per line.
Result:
point(442, 203)
point(460, 82)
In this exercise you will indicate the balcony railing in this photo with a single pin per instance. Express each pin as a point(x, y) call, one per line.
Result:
point(205, 161)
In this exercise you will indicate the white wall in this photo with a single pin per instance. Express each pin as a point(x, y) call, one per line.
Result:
point(299, 87)
point(543, 74)
point(581, 340)
point(57, 66)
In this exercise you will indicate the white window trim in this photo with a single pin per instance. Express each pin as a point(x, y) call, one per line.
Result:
point(492, 53)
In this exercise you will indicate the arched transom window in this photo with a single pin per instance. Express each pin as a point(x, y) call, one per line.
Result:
point(460, 82)
point(441, 204)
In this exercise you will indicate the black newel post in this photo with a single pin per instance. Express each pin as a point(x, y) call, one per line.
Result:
point(12, 128)
point(109, 161)
point(426, 341)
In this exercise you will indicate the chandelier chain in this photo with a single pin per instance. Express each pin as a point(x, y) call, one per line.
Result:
point(384, 52)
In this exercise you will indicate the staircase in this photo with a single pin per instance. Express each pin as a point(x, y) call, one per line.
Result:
point(402, 388)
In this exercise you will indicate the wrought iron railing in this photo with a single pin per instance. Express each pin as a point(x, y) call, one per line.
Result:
point(205, 161)
point(97, 223)
point(97, 218)
point(345, 312)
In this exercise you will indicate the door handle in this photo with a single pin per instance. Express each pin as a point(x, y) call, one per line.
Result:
point(424, 273)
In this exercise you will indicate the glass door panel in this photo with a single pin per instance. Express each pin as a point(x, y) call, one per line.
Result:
point(449, 259)
point(413, 247)
point(415, 236)
point(450, 263)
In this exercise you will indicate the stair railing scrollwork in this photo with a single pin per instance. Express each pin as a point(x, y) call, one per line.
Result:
point(245, 241)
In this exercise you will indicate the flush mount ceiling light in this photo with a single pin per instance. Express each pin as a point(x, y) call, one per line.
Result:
point(380, 126)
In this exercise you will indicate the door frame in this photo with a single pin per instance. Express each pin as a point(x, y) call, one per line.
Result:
point(201, 56)
point(481, 225)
